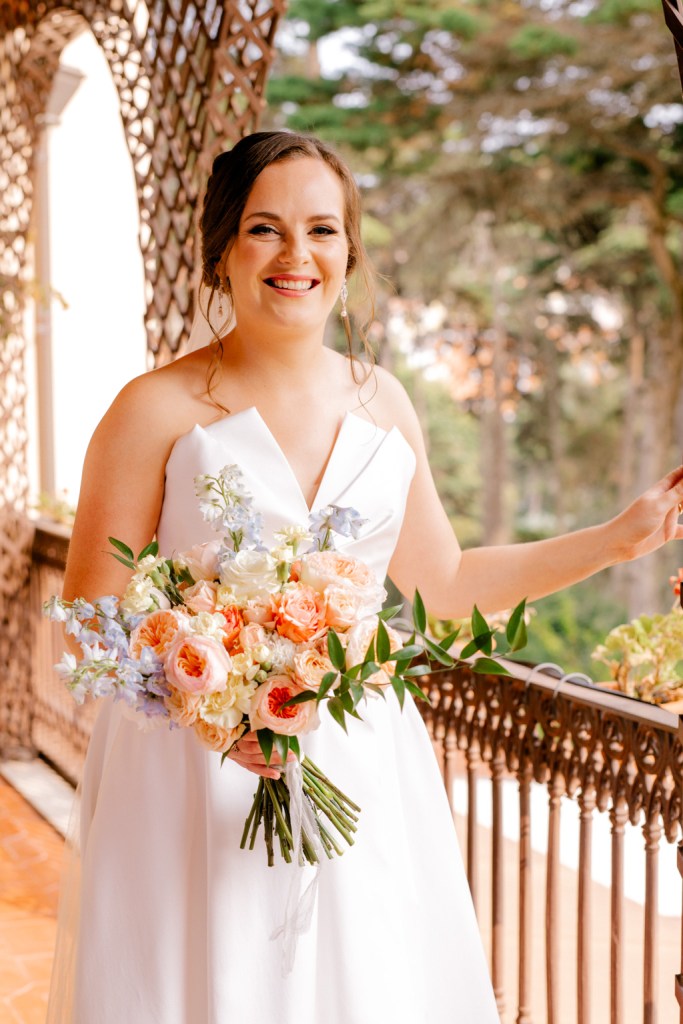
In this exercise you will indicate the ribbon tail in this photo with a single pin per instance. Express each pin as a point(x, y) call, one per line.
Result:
point(300, 905)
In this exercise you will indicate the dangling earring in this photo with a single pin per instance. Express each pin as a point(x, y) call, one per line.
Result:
point(220, 300)
point(343, 295)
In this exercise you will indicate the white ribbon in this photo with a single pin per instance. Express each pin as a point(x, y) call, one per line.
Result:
point(299, 906)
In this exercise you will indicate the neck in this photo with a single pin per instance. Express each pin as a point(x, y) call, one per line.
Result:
point(281, 355)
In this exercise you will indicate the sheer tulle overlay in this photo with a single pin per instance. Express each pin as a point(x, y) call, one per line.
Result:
point(176, 920)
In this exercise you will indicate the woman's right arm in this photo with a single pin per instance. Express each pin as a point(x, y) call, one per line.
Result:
point(122, 488)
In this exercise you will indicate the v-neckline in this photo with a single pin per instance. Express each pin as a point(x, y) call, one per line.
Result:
point(282, 458)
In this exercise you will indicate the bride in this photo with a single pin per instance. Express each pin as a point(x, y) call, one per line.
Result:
point(175, 920)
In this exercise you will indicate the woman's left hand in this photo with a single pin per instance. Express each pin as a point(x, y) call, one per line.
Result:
point(651, 520)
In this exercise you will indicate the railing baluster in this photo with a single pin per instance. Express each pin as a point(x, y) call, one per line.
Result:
point(497, 880)
point(652, 830)
point(450, 751)
point(618, 817)
point(556, 789)
point(473, 761)
point(583, 973)
point(525, 925)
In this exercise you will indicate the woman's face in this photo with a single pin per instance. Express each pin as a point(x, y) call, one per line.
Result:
point(288, 261)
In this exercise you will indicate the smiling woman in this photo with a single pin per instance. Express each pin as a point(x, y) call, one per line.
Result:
point(165, 884)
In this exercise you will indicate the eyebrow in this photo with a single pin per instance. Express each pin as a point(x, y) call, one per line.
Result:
point(269, 215)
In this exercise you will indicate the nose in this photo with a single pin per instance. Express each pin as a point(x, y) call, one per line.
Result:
point(294, 249)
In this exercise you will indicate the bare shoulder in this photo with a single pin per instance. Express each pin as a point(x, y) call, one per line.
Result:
point(158, 406)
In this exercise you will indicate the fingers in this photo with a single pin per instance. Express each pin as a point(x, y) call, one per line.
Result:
point(247, 753)
point(673, 481)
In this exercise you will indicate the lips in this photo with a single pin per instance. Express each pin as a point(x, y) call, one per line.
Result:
point(292, 285)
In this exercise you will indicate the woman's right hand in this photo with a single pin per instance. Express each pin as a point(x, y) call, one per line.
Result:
point(247, 752)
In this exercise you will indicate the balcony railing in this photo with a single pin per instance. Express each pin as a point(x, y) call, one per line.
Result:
point(604, 752)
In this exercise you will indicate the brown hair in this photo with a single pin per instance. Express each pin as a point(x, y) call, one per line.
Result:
point(231, 180)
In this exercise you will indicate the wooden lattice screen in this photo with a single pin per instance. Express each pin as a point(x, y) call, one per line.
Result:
point(190, 76)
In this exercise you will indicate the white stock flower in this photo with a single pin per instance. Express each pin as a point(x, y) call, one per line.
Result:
point(208, 624)
point(292, 536)
point(227, 707)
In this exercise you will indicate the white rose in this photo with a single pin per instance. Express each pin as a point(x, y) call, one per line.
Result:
point(359, 637)
point(250, 574)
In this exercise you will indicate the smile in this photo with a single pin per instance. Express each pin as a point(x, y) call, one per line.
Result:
point(289, 284)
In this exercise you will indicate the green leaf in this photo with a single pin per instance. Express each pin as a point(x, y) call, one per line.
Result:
point(370, 653)
point(399, 689)
point(416, 670)
point(417, 692)
point(480, 643)
point(356, 693)
point(383, 645)
point(516, 628)
point(151, 549)
point(328, 680)
point(300, 698)
point(438, 654)
point(369, 669)
point(123, 548)
point(123, 561)
point(487, 666)
point(388, 613)
point(449, 640)
point(281, 745)
point(480, 626)
point(337, 711)
point(419, 613)
point(406, 653)
point(294, 746)
point(376, 689)
point(335, 650)
point(346, 700)
point(265, 738)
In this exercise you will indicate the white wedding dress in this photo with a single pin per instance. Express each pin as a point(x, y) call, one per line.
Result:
point(176, 920)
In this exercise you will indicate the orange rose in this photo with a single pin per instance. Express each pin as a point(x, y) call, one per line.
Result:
point(234, 622)
point(299, 613)
point(267, 711)
point(157, 631)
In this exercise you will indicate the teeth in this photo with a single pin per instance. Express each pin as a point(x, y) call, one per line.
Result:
point(294, 286)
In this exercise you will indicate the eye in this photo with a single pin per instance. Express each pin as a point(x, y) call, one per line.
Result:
point(262, 229)
point(322, 229)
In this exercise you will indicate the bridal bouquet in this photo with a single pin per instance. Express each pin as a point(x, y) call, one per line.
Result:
point(230, 636)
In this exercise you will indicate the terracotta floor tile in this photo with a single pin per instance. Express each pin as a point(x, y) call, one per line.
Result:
point(31, 855)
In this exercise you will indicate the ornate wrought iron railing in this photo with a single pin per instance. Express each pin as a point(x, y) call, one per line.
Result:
point(608, 753)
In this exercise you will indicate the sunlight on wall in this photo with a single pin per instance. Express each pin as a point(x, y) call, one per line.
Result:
point(98, 341)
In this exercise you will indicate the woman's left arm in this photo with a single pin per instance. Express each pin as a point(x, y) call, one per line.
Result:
point(428, 556)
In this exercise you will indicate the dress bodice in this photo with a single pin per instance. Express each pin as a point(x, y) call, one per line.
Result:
point(368, 468)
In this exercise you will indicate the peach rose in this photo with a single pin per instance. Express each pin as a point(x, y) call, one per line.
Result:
point(183, 707)
point(299, 613)
point(258, 609)
point(321, 569)
point(233, 627)
point(201, 597)
point(215, 737)
point(310, 666)
point(201, 560)
point(267, 711)
point(346, 605)
point(157, 631)
point(359, 637)
point(197, 664)
point(252, 634)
